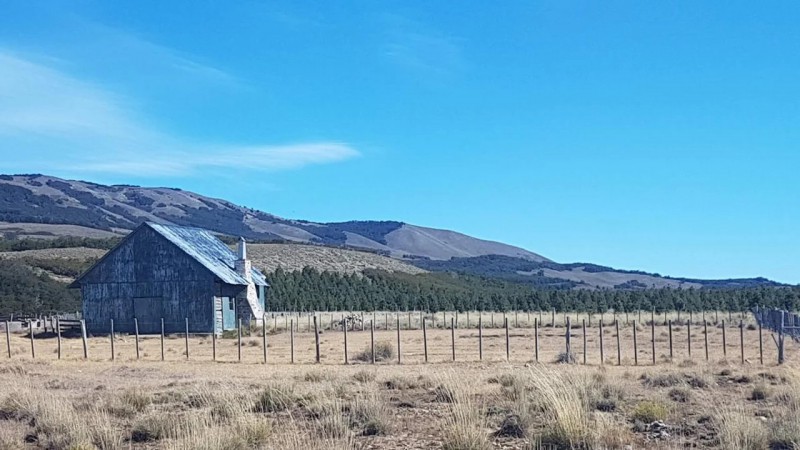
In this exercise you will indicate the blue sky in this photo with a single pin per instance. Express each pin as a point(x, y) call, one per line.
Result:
point(659, 136)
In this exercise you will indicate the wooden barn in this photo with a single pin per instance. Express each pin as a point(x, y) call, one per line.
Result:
point(172, 273)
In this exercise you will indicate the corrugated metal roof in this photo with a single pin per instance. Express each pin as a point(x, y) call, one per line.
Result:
point(209, 251)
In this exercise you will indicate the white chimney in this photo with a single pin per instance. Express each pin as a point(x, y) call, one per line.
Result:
point(243, 265)
point(242, 249)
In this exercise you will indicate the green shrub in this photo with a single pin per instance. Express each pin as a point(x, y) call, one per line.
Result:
point(649, 411)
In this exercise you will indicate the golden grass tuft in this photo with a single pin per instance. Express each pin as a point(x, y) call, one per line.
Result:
point(561, 398)
point(464, 425)
point(738, 430)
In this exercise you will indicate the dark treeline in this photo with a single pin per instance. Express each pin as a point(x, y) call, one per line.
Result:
point(18, 245)
point(25, 288)
point(24, 291)
point(310, 290)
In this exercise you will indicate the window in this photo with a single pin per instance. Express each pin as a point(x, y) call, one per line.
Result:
point(231, 303)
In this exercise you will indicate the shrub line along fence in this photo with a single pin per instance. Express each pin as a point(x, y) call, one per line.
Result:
point(781, 322)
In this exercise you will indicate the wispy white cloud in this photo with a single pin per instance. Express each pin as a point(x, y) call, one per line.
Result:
point(62, 123)
point(268, 158)
point(414, 46)
point(109, 43)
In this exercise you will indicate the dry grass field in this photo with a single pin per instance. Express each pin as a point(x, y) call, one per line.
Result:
point(467, 404)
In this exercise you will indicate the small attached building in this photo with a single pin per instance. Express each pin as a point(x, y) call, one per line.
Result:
point(172, 273)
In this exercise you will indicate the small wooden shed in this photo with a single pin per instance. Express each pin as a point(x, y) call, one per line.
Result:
point(172, 273)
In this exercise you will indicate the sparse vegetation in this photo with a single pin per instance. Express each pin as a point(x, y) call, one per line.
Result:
point(151, 405)
point(679, 394)
point(383, 351)
point(364, 376)
point(760, 392)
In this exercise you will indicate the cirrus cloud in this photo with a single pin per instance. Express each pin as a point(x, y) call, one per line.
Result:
point(59, 122)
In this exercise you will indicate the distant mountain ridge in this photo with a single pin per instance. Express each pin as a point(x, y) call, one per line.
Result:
point(43, 206)
point(42, 199)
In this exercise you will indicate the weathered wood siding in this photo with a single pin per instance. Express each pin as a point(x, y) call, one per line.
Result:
point(148, 277)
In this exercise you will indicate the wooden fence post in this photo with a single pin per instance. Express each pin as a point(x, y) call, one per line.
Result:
point(58, 337)
point(239, 338)
point(425, 339)
point(214, 345)
point(689, 338)
point(480, 339)
point(399, 359)
point(635, 347)
point(669, 323)
point(584, 342)
point(508, 345)
point(536, 339)
point(136, 335)
point(33, 347)
point(553, 319)
point(453, 337)
point(468, 320)
point(372, 340)
point(344, 329)
point(291, 339)
point(112, 340)
point(619, 347)
point(186, 338)
point(83, 337)
point(780, 338)
point(567, 336)
point(316, 340)
point(653, 337)
point(264, 336)
point(602, 350)
point(8, 339)
point(724, 341)
point(162, 338)
point(705, 337)
point(741, 338)
point(760, 344)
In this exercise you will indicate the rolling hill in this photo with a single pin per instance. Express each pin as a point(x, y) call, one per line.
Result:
point(42, 205)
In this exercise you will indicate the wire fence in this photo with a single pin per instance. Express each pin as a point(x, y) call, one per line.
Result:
point(619, 339)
